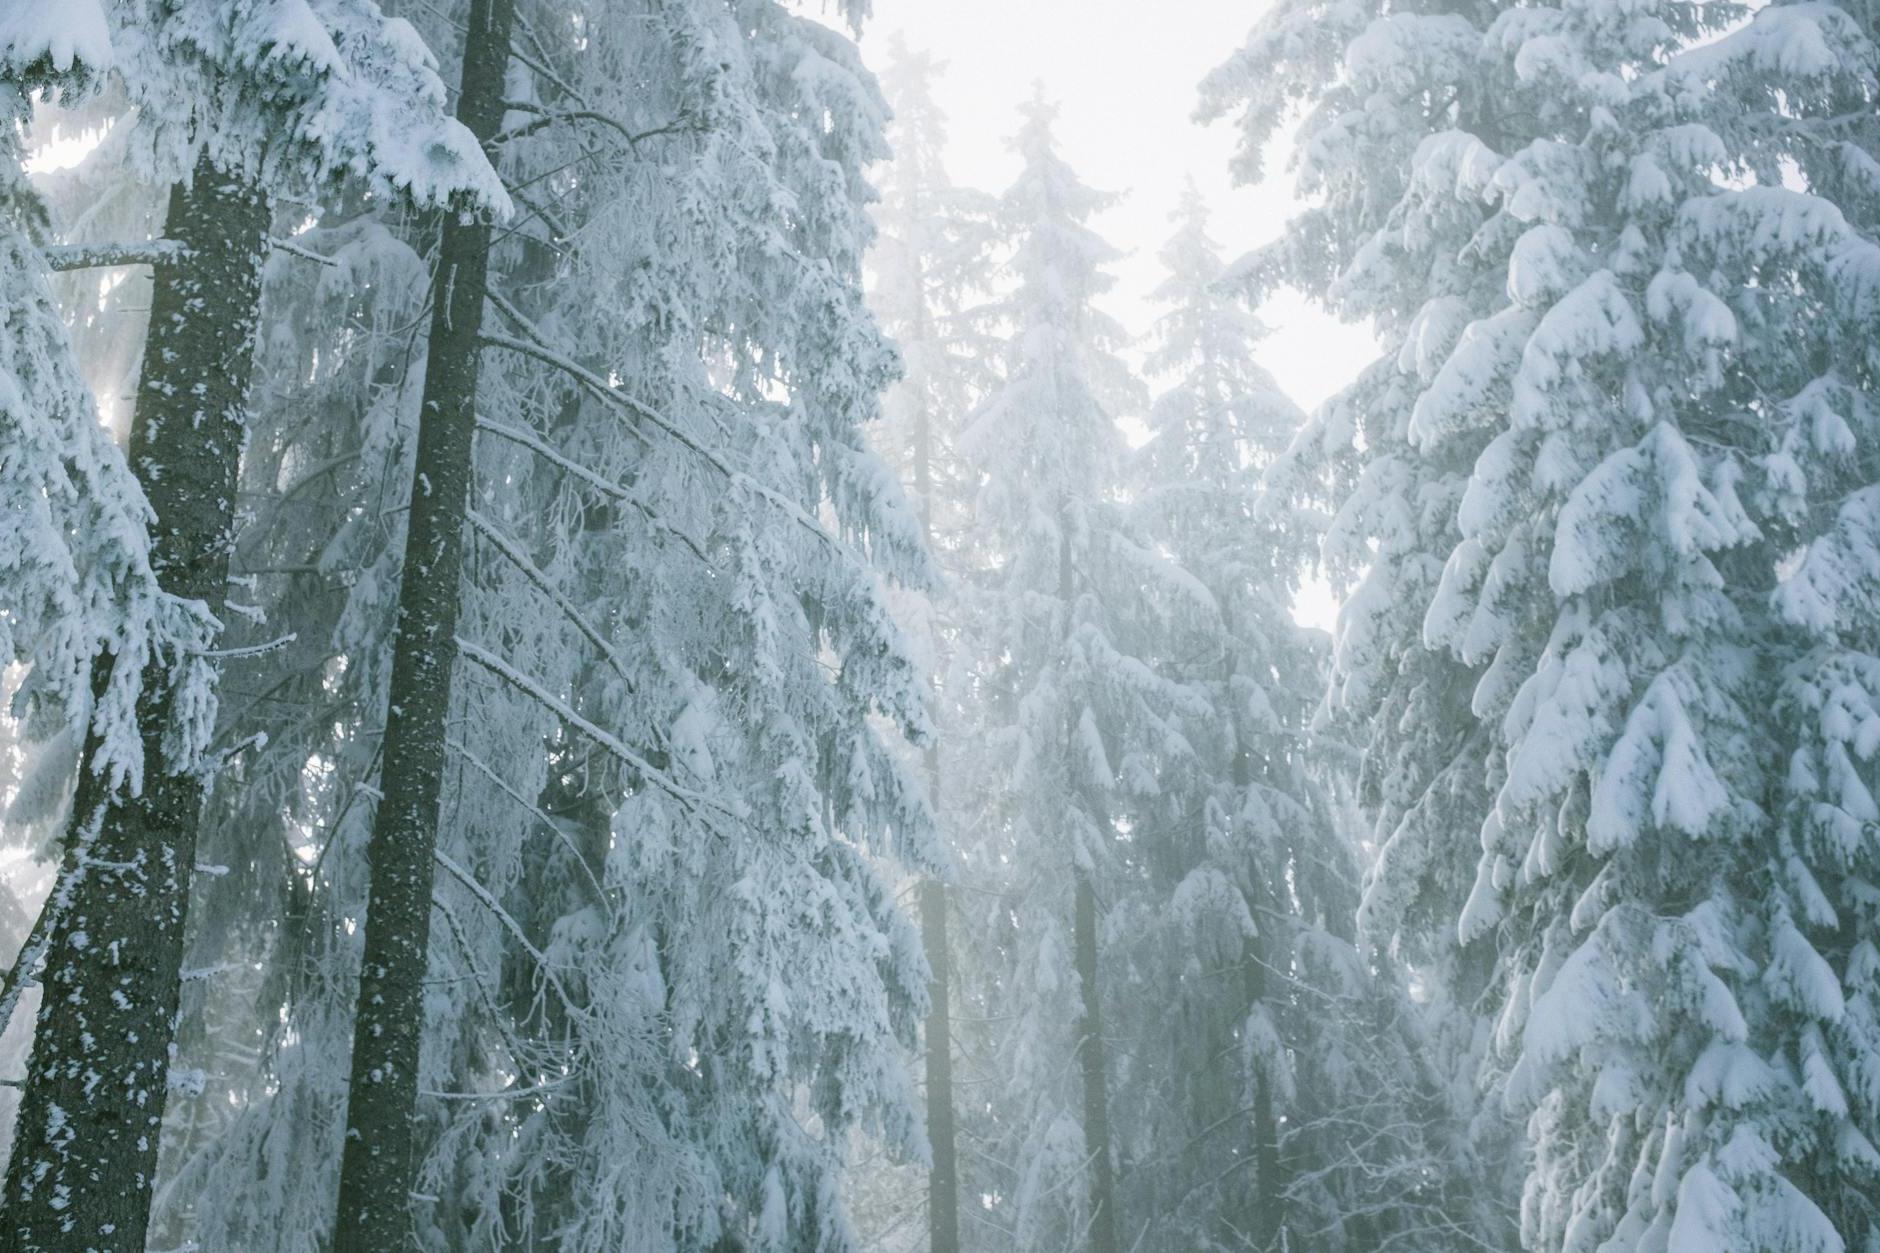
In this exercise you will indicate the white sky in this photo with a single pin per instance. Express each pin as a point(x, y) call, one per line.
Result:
point(1125, 75)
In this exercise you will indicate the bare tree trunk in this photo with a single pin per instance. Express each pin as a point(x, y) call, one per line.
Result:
point(380, 1159)
point(1269, 1200)
point(85, 1146)
point(943, 1183)
point(943, 1177)
point(1092, 1057)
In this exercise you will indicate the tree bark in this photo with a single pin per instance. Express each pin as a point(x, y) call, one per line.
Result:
point(943, 1177)
point(943, 1195)
point(1094, 1059)
point(85, 1145)
point(379, 1160)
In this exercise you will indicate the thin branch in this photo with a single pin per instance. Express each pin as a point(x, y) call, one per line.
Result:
point(543, 119)
point(248, 650)
point(692, 800)
point(507, 547)
point(509, 924)
point(295, 250)
point(599, 482)
point(600, 893)
point(600, 388)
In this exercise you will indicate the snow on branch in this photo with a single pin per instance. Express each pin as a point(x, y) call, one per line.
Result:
point(504, 545)
point(543, 118)
point(599, 482)
point(534, 347)
point(63, 257)
point(489, 772)
point(693, 801)
point(510, 925)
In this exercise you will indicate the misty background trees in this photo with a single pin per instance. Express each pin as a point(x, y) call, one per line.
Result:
point(601, 657)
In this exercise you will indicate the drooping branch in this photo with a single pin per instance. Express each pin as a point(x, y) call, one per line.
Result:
point(535, 348)
point(544, 118)
point(520, 560)
point(61, 258)
point(509, 924)
point(528, 806)
point(694, 801)
point(599, 482)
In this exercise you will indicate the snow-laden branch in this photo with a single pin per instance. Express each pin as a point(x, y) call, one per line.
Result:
point(520, 560)
point(599, 482)
point(693, 801)
point(528, 806)
point(535, 347)
point(305, 254)
point(544, 118)
point(509, 923)
point(63, 257)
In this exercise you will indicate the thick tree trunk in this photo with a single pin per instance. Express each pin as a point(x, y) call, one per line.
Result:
point(380, 1155)
point(1095, 1062)
point(85, 1146)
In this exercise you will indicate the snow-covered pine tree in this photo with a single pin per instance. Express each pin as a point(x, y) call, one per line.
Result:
point(1276, 1092)
point(1080, 729)
point(666, 983)
point(930, 269)
point(1612, 299)
point(228, 97)
point(1216, 923)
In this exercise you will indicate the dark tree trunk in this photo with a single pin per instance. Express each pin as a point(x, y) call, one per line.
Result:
point(943, 1176)
point(1095, 1062)
point(85, 1145)
point(1092, 1057)
point(1268, 1219)
point(943, 1183)
point(378, 1163)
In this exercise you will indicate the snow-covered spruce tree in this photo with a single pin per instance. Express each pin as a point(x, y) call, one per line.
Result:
point(1389, 508)
point(1273, 1095)
point(930, 268)
point(227, 98)
point(750, 794)
point(1644, 339)
point(665, 984)
point(1079, 726)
